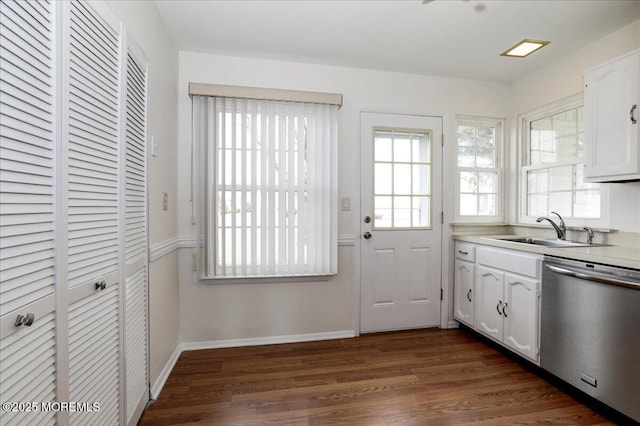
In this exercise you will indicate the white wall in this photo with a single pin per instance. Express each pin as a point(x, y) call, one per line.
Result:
point(145, 25)
point(565, 78)
point(222, 312)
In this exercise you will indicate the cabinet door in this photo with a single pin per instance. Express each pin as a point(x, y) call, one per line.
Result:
point(521, 315)
point(489, 302)
point(463, 291)
point(611, 136)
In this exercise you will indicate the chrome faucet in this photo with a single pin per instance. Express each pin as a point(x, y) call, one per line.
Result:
point(589, 234)
point(561, 229)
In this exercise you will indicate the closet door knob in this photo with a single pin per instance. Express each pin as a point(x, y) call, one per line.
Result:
point(101, 285)
point(25, 320)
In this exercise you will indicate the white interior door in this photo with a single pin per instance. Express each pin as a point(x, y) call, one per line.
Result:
point(401, 181)
point(27, 212)
point(92, 172)
point(135, 249)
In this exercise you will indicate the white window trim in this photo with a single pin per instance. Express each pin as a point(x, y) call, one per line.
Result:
point(524, 120)
point(499, 124)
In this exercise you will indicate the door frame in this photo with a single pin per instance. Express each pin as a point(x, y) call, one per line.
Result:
point(446, 246)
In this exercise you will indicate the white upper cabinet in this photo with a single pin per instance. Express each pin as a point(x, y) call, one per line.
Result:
point(611, 120)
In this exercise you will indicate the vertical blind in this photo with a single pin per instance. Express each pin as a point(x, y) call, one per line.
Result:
point(270, 174)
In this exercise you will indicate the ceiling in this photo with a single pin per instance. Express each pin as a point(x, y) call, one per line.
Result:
point(453, 38)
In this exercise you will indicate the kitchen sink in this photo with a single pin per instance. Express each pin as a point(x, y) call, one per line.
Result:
point(547, 242)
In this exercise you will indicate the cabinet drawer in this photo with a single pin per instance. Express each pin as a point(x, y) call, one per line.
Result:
point(466, 252)
point(510, 260)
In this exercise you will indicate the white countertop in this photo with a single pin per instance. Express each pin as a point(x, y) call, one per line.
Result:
point(627, 257)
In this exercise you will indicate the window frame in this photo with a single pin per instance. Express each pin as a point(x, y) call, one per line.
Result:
point(524, 145)
point(499, 125)
point(392, 162)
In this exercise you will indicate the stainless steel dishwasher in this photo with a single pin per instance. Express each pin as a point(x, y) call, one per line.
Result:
point(590, 330)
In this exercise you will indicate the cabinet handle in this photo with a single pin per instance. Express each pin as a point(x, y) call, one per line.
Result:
point(633, 108)
point(469, 295)
point(498, 307)
point(101, 285)
point(463, 252)
point(504, 312)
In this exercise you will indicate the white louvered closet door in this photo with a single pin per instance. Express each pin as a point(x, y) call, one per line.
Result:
point(93, 134)
point(27, 217)
point(136, 273)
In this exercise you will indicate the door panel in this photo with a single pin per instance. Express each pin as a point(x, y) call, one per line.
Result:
point(418, 270)
point(94, 355)
point(400, 196)
point(135, 249)
point(383, 289)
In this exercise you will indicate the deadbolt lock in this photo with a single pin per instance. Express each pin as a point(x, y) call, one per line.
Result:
point(367, 219)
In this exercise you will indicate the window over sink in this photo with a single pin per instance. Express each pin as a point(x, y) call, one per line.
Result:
point(552, 172)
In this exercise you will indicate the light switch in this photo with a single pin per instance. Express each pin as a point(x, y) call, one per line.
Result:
point(346, 204)
point(154, 147)
point(165, 201)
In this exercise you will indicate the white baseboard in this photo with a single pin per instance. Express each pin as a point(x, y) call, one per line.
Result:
point(453, 324)
point(271, 340)
point(164, 374)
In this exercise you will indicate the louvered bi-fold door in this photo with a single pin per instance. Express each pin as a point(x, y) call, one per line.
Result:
point(27, 219)
point(93, 108)
point(136, 324)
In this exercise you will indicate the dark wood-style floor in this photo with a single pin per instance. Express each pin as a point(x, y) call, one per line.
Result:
point(419, 377)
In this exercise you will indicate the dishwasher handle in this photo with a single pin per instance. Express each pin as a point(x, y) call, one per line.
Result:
point(596, 278)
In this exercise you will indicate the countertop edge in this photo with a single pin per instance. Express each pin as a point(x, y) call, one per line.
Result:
point(609, 255)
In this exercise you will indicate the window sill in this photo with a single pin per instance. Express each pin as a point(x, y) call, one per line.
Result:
point(569, 227)
point(266, 280)
point(475, 224)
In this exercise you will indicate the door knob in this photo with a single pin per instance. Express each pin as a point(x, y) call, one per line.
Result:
point(367, 235)
point(26, 320)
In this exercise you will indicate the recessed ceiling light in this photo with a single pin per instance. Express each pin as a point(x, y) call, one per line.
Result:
point(524, 48)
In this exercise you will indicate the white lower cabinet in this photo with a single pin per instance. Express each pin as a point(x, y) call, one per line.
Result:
point(501, 299)
point(464, 278)
point(521, 315)
point(490, 300)
point(507, 310)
